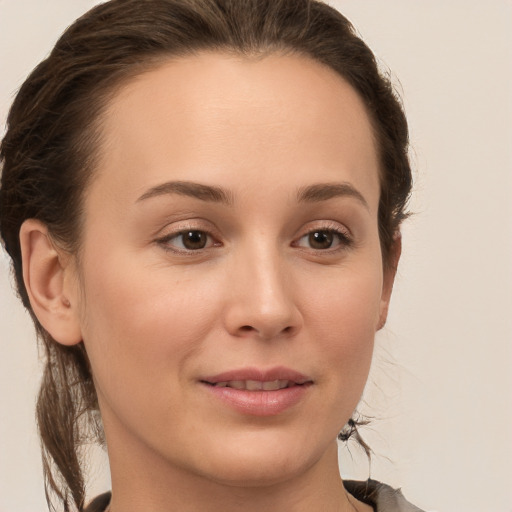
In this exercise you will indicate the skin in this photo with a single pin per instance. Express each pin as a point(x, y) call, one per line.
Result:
point(157, 317)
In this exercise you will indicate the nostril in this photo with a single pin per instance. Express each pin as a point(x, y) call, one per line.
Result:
point(249, 329)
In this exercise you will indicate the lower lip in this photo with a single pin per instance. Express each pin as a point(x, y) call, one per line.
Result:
point(260, 403)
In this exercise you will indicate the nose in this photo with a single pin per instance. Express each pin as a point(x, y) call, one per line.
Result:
point(262, 302)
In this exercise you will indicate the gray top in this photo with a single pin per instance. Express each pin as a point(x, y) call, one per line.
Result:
point(381, 497)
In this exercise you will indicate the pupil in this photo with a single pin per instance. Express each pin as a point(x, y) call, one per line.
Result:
point(321, 239)
point(194, 240)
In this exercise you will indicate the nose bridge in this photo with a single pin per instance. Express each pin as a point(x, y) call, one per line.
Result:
point(262, 301)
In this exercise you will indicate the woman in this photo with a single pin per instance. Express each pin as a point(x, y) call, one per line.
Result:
point(202, 202)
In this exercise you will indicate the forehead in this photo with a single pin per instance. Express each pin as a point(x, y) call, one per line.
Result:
point(214, 113)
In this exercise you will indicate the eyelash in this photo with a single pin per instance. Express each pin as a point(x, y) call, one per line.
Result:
point(343, 237)
point(166, 240)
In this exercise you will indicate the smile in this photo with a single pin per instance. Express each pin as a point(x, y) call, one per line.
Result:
point(256, 385)
point(256, 392)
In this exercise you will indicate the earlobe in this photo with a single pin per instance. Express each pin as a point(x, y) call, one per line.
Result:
point(46, 278)
point(389, 279)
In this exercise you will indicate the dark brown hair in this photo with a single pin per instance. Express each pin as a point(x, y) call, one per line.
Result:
point(48, 153)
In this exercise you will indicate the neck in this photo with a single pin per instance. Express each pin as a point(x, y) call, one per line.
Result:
point(141, 480)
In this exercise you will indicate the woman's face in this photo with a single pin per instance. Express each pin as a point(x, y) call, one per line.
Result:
point(231, 279)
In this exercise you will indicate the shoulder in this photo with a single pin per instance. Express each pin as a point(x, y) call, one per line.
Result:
point(381, 497)
point(98, 504)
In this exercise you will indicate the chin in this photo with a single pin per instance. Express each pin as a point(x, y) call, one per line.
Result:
point(258, 474)
point(261, 462)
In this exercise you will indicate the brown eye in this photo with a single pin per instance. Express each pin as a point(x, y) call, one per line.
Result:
point(193, 240)
point(321, 239)
point(324, 239)
point(189, 240)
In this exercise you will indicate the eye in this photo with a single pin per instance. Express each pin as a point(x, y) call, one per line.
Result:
point(187, 240)
point(323, 239)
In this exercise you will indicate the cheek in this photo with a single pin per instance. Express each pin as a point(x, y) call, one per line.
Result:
point(343, 321)
point(140, 324)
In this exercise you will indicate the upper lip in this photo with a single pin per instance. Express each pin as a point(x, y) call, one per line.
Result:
point(258, 374)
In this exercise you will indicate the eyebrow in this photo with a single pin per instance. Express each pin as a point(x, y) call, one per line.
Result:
point(310, 194)
point(188, 188)
point(324, 191)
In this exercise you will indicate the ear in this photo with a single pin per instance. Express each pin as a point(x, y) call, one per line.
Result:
point(389, 278)
point(48, 279)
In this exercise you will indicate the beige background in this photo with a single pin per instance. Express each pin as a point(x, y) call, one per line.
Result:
point(441, 385)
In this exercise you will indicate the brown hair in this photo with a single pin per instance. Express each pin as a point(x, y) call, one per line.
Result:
point(48, 152)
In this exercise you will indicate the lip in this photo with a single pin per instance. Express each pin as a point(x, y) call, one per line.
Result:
point(259, 402)
point(252, 373)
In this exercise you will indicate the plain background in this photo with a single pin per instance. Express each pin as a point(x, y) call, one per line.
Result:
point(440, 389)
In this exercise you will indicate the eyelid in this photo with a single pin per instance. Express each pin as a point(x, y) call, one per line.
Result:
point(344, 235)
point(183, 227)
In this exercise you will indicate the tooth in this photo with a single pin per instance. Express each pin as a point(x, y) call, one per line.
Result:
point(237, 384)
point(271, 385)
point(254, 385)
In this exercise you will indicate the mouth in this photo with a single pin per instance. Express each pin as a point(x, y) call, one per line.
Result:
point(256, 379)
point(256, 392)
point(256, 385)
